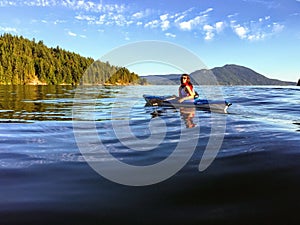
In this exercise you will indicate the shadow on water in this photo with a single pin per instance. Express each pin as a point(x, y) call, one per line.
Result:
point(298, 124)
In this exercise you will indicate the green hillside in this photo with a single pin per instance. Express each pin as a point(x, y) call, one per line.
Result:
point(24, 61)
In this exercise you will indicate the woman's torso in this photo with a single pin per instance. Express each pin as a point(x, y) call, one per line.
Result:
point(184, 92)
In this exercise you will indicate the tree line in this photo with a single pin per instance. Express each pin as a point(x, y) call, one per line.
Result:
point(24, 61)
point(104, 73)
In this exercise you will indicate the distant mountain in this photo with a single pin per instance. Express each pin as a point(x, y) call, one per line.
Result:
point(239, 75)
point(226, 75)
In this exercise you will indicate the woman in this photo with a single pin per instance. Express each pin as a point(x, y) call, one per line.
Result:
point(186, 89)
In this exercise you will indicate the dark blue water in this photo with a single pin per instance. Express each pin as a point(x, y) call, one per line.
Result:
point(45, 178)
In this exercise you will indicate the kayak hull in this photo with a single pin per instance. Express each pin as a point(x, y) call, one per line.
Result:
point(172, 101)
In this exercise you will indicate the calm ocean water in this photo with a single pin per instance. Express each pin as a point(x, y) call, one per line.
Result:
point(45, 179)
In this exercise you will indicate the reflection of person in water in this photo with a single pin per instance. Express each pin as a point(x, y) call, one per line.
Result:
point(188, 114)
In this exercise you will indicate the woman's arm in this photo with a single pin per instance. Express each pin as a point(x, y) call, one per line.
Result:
point(191, 92)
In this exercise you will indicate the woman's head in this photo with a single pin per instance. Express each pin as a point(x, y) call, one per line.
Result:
point(185, 79)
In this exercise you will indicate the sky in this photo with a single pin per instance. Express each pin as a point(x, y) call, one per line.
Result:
point(263, 35)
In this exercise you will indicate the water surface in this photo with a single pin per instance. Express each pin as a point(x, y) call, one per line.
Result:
point(46, 180)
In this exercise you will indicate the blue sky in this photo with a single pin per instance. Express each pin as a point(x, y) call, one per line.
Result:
point(263, 35)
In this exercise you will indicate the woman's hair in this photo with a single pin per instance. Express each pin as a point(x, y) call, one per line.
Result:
point(188, 81)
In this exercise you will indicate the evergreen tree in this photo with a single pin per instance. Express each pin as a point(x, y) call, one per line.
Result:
point(23, 61)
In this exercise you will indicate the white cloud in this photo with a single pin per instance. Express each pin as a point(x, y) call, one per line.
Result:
point(192, 19)
point(8, 29)
point(59, 21)
point(257, 30)
point(164, 17)
point(256, 37)
point(207, 11)
point(165, 25)
point(101, 20)
point(189, 25)
point(179, 18)
point(7, 3)
point(170, 35)
point(86, 5)
point(82, 5)
point(138, 18)
point(119, 20)
point(142, 14)
point(85, 17)
point(112, 19)
point(232, 15)
point(209, 36)
point(219, 26)
point(208, 28)
point(152, 24)
point(72, 34)
point(240, 31)
point(137, 15)
point(212, 30)
point(41, 3)
point(209, 32)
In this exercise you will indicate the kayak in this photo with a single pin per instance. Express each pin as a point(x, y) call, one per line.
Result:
point(172, 101)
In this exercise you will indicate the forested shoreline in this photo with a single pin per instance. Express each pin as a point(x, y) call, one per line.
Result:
point(27, 62)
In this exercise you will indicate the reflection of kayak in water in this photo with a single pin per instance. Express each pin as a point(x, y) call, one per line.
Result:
point(172, 101)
